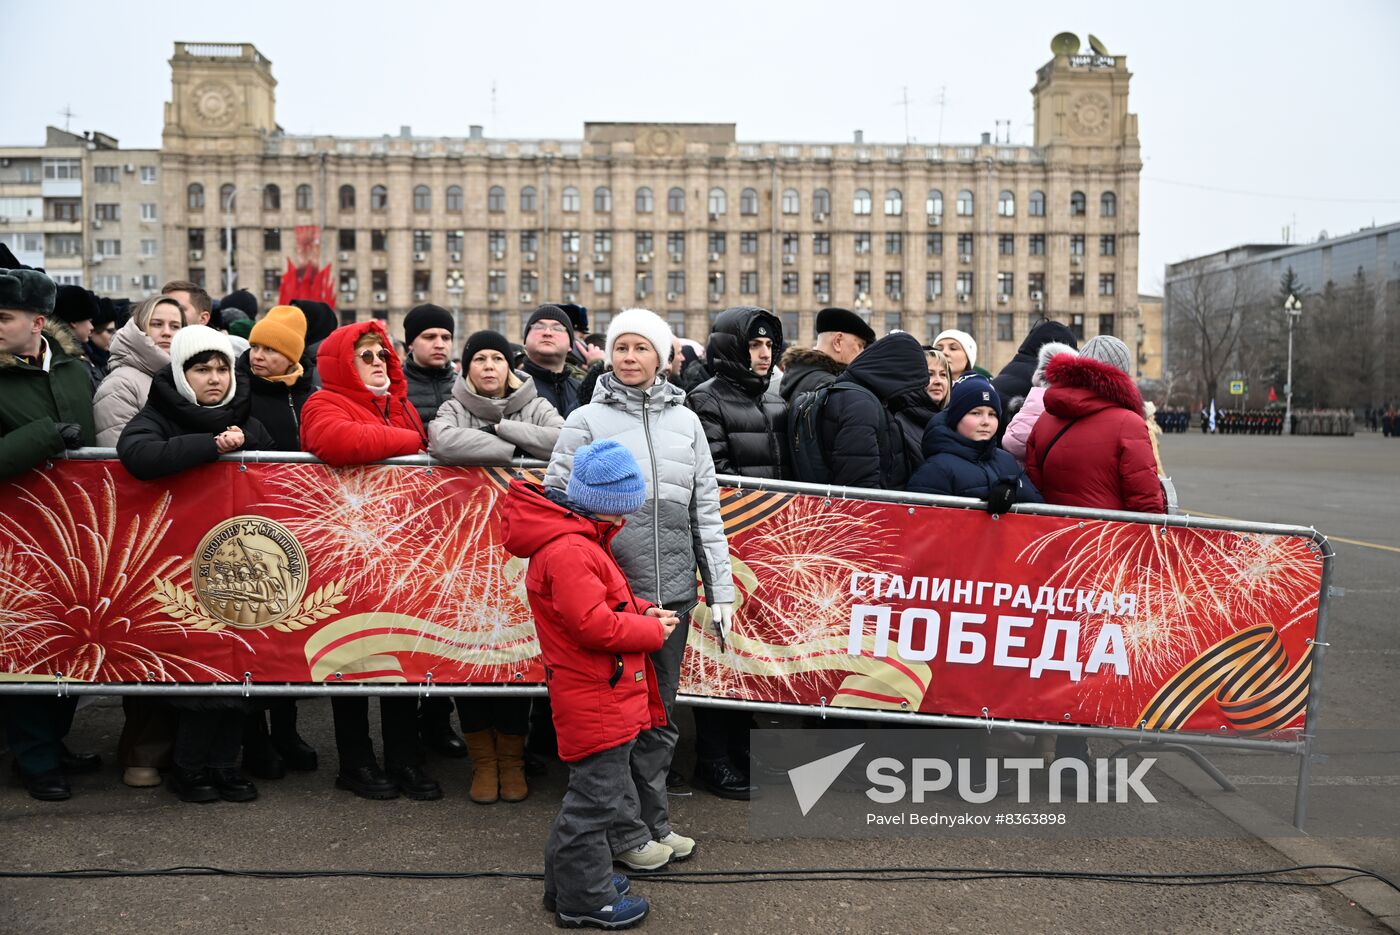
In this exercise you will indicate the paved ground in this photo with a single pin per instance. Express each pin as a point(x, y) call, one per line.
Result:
point(1346, 487)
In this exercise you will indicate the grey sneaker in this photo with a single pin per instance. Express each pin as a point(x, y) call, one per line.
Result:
point(681, 846)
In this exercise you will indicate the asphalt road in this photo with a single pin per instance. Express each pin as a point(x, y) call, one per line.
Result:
point(1346, 487)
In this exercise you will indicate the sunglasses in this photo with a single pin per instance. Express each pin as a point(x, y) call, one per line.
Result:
point(368, 356)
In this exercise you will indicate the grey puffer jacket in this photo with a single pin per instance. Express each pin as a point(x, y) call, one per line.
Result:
point(475, 429)
point(679, 527)
point(135, 359)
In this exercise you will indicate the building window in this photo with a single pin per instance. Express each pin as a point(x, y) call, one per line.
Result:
point(644, 284)
point(496, 242)
point(1076, 326)
point(675, 281)
point(72, 244)
point(964, 284)
point(272, 239)
point(496, 282)
point(933, 286)
point(1006, 329)
point(379, 240)
point(894, 243)
point(716, 281)
point(821, 285)
point(821, 244)
point(272, 198)
point(602, 241)
point(347, 198)
point(1107, 284)
point(894, 202)
point(677, 322)
point(1036, 245)
point(933, 244)
point(1006, 283)
point(149, 248)
point(303, 197)
point(894, 321)
point(1006, 245)
point(862, 243)
point(861, 283)
point(1108, 205)
point(1076, 245)
point(194, 197)
point(347, 238)
point(602, 282)
point(675, 245)
point(602, 203)
point(894, 284)
point(569, 200)
point(1036, 286)
point(227, 199)
point(645, 202)
point(965, 323)
point(1076, 284)
point(748, 242)
point(933, 204)
point(965, 243)
point(569, 241)
point(1037, 205)
point(529, 241)
point(792, 202)
point(148, 175)
point(422, 241)
point(148, 211)
point(860, 204)
point(63, 169)
point(529, 199)
point(1006, 205)
point(717, 242)
point(790, 284)
point(65, 210)
point(496, 199)
point(675, 201)
point(379, 198)
point(108, 212)
point(349, 282)
point(1106, 324)
point(748, 282)
point(107, 247)
point(1076, 204)
point(106, 175)
point(965, 203)
point(1108, 245)
point(454, 201)
point(529, 281)
point(422, 198)
point(272, 280)
point(748, 202)
point(195, 238)
point(821, 202)
point(644, 242)
point(569, 280)
point(933, 325)
point(792, 244)
point(717, 202)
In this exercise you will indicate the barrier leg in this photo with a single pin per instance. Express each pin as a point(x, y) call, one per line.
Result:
point(1196, 756)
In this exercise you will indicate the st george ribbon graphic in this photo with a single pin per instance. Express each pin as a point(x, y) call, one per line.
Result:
point(297, 572)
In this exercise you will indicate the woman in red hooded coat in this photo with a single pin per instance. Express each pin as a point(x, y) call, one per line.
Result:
point(360, 415)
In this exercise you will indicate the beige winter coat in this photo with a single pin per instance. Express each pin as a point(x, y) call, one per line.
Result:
point(135, 359)
point(475, 429)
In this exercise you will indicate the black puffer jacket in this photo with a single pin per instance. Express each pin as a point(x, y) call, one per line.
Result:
point(744, 424)
point(171, 434)
point(428, 387)
point(863, 442)
point(806, 369)
point(1015, 378)
point(913, 410)
point(276, 405)
point(561, 389)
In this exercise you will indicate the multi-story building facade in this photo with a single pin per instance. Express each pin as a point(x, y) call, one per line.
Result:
point(683, 218)
point(85, 210)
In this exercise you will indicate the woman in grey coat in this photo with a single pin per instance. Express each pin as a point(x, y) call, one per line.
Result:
point(660, 546)
point(140, 350)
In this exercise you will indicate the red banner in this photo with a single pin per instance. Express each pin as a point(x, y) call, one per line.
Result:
point(304, 573)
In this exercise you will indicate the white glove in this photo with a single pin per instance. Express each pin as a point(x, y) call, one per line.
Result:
point(723, 616)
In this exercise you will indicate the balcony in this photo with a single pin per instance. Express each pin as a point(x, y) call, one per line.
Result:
point(62, 188)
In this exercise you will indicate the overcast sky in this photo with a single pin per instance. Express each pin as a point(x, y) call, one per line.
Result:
point(1253, 115)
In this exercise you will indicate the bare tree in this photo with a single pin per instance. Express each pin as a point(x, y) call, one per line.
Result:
point(1211, 311)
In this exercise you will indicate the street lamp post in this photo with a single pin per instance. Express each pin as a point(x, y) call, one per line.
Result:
point(1292, 308)
point(228, 239)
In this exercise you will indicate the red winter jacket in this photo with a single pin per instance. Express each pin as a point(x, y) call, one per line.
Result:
point(343, 422)
point(593, 632)
point(1104, 459)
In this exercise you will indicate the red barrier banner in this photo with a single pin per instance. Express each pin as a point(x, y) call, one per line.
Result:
point(305, 573)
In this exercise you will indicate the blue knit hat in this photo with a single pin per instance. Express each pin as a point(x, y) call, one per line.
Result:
point(969, 393)
point(606, 479)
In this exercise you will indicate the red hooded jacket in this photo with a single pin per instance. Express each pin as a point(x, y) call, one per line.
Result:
point(343, 422)
point(1104, 459)
point(594, 634)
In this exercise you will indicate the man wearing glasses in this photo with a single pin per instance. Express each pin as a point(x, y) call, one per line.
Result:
point(548, 337)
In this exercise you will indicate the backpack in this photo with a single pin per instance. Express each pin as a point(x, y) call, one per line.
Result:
point(808, 455)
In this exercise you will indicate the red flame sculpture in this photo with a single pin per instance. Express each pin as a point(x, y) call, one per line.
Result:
point(304, 280)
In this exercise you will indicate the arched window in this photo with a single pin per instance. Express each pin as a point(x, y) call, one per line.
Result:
point(347, 198)
point(718, 203)
point(933, 204)
point(303, 197)
point(748, 202)
point(496, 199)
point(602, 199)
point(569, 201)
point(194, 197)
point(792, 202)
point(646, 203)
point(675, 201)
point(379, 198)
point(894, 202)
point(1077, 208)
point(1108, 205)
point(226, 197)
point(861, 203)
point(821, 202)
point(422, 198)
point(1037, 204)
point(1006, 205)
point(529, 199)
point(965, 203)
point(455, 202)
point(272, 198)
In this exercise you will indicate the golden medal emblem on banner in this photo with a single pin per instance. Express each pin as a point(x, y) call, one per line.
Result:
point(249, 572)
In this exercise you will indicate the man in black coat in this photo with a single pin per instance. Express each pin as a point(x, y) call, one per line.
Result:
point(863, 444)
point(841, 336)
point(549, 335)
point(1015, 378)
point(743, 423)
point(427, 333)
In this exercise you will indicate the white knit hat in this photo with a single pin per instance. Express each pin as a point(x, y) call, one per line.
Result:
point(1048, 350)
point(969, 344)
point(196, 339)
point(649, 325)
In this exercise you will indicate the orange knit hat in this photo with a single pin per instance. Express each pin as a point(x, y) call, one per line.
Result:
point(283, 329)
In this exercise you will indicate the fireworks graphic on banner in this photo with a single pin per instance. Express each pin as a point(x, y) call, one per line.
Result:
point(87, 608)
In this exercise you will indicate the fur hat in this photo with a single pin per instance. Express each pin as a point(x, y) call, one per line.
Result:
point(423, 317)
point(649, 325)
point(320, 319)
point(550, 313)
point(74, 304)
point(606, 479)
point(969, 344)
point(967, 395)
point(242, 300)
point(283, 329)
point(840, 319)
point(1047, 351)
point(578, 316)
point(27, 290)
point(485, 341)
point(196, 339)
point(1109, 350)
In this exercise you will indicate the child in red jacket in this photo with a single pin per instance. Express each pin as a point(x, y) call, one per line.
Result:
point(596, 637)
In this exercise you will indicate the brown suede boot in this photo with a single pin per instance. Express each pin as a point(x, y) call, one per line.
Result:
point(481, 744)
point(511, 750)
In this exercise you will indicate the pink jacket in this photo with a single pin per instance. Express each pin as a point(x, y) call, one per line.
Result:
point(1019, 431)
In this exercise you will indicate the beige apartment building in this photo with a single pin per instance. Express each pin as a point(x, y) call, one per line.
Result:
point(682, 218)
point(85, 210)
